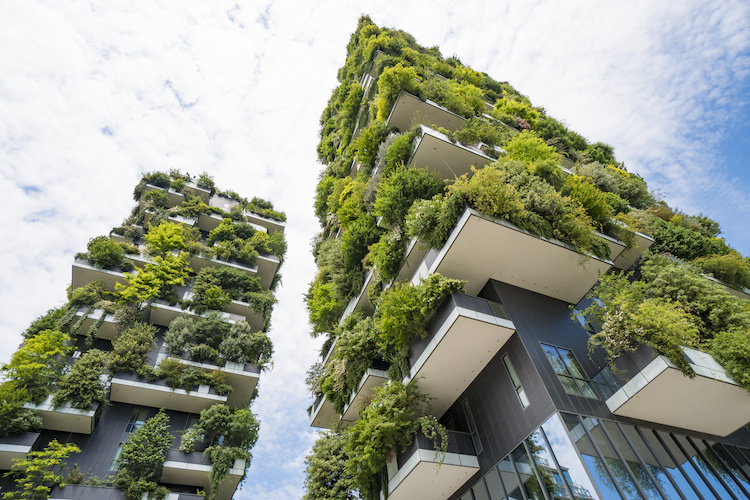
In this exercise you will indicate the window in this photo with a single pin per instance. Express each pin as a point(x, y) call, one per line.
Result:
point(516, 382)
point(569, 371)
point(137, 419)
point(472, 426)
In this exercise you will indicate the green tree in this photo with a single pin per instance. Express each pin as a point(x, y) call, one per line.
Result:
point(130, 350)
point(142, 458)
point(14, 418)
point(39, 363)
point(103, 252)
point(326, 477)
point(165, 238)
point(82, 385)
point(155, 280)
point(37, 474)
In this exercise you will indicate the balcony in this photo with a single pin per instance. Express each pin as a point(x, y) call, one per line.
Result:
point(64, 418)
point(243, 377)
point(199, 261)
point(128, 388)
point(658, 392)
point(271, 225)
point(322, 414)
point(15, 447)
point(108, 328)
point(175, 197)
point(372, 378)
point(410, 108)
point(194, 469)
point(628, 256)
point(209, 222)
point(362, 300)
point(87, 492)
point(177, 219)
point(436, 153)
point(203, 194)
point(481, 247)
point(84, 273)
point(161, 313)
point(465, 334)
point(418, 474)
point(415, 253)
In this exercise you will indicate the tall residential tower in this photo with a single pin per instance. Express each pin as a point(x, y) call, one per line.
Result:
point(508, 312)
point(151, 366)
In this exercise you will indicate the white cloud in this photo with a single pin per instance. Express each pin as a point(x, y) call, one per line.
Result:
point(656, 81)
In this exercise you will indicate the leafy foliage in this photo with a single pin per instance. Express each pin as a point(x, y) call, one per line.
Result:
point(165, 238)
point(685, 243)
point(155, 280)
point(103, 252)
point(14, 418)
point(732, 268)
point(245, 346)
point(37, 475)
point(38, 364)
point(47, 321)
point(82, 385)
point(142, 458)
point(326, 477)
point(130, 350)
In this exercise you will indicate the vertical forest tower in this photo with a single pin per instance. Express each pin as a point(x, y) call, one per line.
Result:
point(146, 375)
point(508, 313)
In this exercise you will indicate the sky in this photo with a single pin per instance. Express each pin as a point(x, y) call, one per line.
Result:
point(93, 95)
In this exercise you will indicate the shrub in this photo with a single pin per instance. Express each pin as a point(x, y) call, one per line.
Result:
point(243, 345)
point(528, 148)
point(37, 475)
point(326, 477)
point(206, 181)
point(400, 188)
point(685, 243)
point(13, 415)
point(732, 349)
point(165, 238)
point(156, 198)
point(155, 280)
point(47, 321)
point(732, 268)
point(142, 458)
point(105, 253)
point(38, 364)
point(82, 384)
point(130, 350)
point(590, 197)
point(391, 82)
point(387, 254)
point(223, 232)
point(520, 108)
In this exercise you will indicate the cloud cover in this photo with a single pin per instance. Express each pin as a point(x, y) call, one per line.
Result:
point(91, 96)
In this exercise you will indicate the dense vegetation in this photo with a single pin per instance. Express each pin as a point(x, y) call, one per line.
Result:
point(165, 261)
point(372, 204)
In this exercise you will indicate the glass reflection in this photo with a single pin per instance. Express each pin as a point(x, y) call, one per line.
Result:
point(572, 472)
point(526, 473)
point(495, 488)
point(508, 476)
point(701, 465)
point(651, 463)
point(718, 466)
point(639, 472)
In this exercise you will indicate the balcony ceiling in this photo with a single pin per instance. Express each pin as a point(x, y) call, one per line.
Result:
point(447, 160)
point(409, 109)
point(157, 396)
point(423, 478)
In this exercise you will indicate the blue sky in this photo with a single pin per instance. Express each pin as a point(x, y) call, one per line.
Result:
point(93, 95)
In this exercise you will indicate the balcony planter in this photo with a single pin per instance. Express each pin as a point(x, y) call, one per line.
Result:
point(419, 473)
point(465, 334)
point(131, 389)
point(65, 418)
point(16, 447)
point(84, 273)
point(655, 390)
point(322, 414)
point(194, 469)
point(481, 248)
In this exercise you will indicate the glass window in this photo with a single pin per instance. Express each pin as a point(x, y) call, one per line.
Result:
point(651, 463)
point(701, 466)
point(639, 472)
point(605, 383)
point(113, 463)
point(516, 381)
point(569, 371)
point(472, 427)
point(492, 480)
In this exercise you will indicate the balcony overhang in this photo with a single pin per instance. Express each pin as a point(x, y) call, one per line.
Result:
point(126, 390)
point(175, 197)
point(628, 256)
point(436, 153)
point(176, 219)
point(362, 300)
point(15, 447)
point(465, 336)
point(84, 273)
point(267, 266)
point(189, 469)
point(108, 330)
point(243, 377)
point(482, 248)
point(209, 222)
point(323, 414)
point(243, 309)
point(198, 262)
point(271, 225)
point(162, 314)
point(415, 252)
point(409, 108)
point(371, 379)
point(64, 418)
point(660, 393)
point(423, 474)
point(202, 194)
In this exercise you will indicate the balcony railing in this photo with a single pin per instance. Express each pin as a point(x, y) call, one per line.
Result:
point(421, 473)
point(373, 377)
point(464, 335)
point(655, 390)
point(436, 153)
